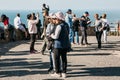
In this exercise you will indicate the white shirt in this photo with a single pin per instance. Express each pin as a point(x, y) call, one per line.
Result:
point(105, 20)
point(32, 28)
point(50, 27)
point(17, 24)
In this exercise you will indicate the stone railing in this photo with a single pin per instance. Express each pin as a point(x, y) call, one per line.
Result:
point(112, 32)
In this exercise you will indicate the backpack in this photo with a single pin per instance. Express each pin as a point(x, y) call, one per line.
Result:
point(106, 26)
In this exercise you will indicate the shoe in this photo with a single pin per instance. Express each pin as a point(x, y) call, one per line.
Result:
point(50, 69)
point(55, 74)
point(63, 75)
point(32, 52)
point(98, 48)
point(42, 52)
point(88, 44)
point(78, 43)
point(82, 44)
point(35, 50)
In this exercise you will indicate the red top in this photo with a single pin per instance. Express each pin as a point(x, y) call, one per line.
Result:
point(6, 21)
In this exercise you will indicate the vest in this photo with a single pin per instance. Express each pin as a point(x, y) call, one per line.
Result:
point(63, 40)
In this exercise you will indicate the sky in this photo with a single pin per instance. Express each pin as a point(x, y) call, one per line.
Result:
point(59, 4)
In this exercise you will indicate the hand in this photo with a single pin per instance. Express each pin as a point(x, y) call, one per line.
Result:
point(37, 14)
point(100, 29)
point(47, 5)
point(88, 22)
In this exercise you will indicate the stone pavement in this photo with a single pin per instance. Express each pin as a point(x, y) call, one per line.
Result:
point(84, 63)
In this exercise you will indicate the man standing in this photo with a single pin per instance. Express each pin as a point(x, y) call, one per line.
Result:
point(83, 24)
point(45, 23)
point(68, 20)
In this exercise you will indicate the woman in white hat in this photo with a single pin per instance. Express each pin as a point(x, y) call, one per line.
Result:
point(61, 45)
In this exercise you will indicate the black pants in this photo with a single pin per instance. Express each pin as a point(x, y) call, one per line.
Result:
point(84, 37)
point(32, 39)
point(60, 56)
point(98, 37)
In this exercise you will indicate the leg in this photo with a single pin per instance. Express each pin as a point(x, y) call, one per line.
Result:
point(44, 45)
point(57, 60)
point(83, 36)
point(64, 60)
point(86, 42)
point(105, 36)
point(99, 39)
point(71, 35)
point(77, 37)
point(33, 36)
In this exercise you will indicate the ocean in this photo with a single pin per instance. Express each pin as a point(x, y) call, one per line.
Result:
point(112, 15)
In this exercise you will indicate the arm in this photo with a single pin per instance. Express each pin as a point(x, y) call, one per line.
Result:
point(57, 32)
point(48, 30)
point(35, 21)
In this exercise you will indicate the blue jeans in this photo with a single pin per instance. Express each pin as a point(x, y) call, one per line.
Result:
point(76, 37)
point(71, 35)
point(51, 60)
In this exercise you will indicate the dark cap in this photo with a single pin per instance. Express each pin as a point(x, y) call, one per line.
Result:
point(86, 12)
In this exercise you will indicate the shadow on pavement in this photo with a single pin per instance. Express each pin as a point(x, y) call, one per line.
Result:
point(5, 47)
point(97, 71)
point(21, 67)
point(90, 54)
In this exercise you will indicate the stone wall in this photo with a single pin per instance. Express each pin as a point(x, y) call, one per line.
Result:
point(90, 31)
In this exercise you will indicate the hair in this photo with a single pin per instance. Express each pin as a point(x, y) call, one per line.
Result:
point(104, 16)
point(18, 14)
point(44, 4)
point(29, 16)
point(96, 15)
point(74, 15)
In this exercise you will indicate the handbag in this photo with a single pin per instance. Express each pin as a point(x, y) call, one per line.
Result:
point(50, 45)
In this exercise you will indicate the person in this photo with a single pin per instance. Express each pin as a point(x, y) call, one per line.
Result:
point(45, 8)
point(8, 28)
point(51, 29)
point(104, 23)
point(61, 45)
point(45, 23)
point(84, 22)
point(98, 29)
point(19, 27)
point(68, 20)
point(76, 28)
point(32, 29)
point(118, 28)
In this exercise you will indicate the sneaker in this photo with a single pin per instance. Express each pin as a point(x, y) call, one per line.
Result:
point(86, 45)
point(63, 75)
point(55, 74)
point(50, 69)
point(51, 72)
point(82, 44)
